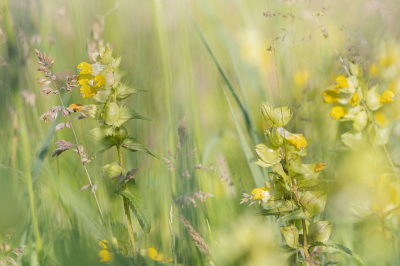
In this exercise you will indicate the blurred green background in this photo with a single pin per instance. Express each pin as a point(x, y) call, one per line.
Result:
point(167, 57)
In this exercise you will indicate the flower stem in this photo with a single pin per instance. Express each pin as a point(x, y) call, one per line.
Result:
point(305, 241)
point(126, 207)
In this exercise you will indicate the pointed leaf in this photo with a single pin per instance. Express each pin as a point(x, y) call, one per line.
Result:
point(107, 142)
point(134, 145)
point(332, 247)
point(136, 203)
point(126, 114)
point(299, 214)
point(124, 91)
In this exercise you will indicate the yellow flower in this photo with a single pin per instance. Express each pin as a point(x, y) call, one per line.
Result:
point(319, 167)
point(103, 244)
point(297, 140)
point(301, 78)
point(388, 61)
point(261, 193)
point(373, 70)
point(354, 100)
point(380, 118)
point(387, 96)
point(83, 79)
point(337, 112)
point(99, 80)
point(87, 91)
point(330, 96)
point(85, 68)
point(341, 82)
point(105, 255)
point(76, 107)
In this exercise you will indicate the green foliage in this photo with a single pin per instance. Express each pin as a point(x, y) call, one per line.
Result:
point(132, 191)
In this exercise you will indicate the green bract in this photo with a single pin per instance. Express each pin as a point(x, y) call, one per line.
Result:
point(291, 235)
point(268, 153)
point(314, 201)
point(275, 117)
point(320, 231)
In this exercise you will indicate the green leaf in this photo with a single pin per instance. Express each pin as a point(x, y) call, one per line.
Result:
point(118, 74)
point(332, 247)
point(268, 153)
point(126, 114)
point(307, 183)
point(299, 214)
point(382, 138)
point(136, 203)
point(291, 235)
point(287, 207)
point(107, 142)
point(134, 145)
point(123, 91)
point(314, 201)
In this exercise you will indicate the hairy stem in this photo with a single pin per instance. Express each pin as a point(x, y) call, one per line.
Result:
point(126, 207)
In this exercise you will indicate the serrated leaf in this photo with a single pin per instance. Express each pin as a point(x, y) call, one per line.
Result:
point(118, 74)
point(341, 249)
point(287, 207)
point(136, 203)
point(123, 91)
point(126, 114)
point(134, 145)
point(107, 142)
point(299, 214)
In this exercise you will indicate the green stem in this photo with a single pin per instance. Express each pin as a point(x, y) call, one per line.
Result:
point(305, 246)
point(126, 207)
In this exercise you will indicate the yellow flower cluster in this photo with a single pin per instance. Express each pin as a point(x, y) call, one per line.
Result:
point(105, 254)
point(353, 101)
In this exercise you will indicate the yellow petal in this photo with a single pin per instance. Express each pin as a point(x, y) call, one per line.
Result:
point(99, 80)
point(85, 68)
point(341, 82)
point(76, 107)
point(330, 96)
point(337, 112)
point(387, 96)
point(319, 167)
point(87, 91)
point(105, 255)
point(354, 100)
point(152, 252)
point(297, 140)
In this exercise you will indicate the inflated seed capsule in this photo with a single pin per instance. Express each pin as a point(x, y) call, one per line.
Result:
point(111, 113)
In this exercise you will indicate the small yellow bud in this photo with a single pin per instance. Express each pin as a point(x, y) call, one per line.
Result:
point(330, 96)
point(297, 140)
point(337, 112)
point(354, 100)
point(319, 167)
point(85, 68)
point(76, 107)
point(341, 82)
point(99, 81)
point(387, 96)
point(87, 91)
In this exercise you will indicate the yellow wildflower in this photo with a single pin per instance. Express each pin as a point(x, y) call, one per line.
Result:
point(76, 107)
point(152, 252)
point(388, 61)
point(85, 68)
point(380, 118)
point(261, 193)
point(105, 255)
point(330, 96)
point(337, 112)
point(319, 167)
point(103, 244)
point(387, 96)
point(301, 78)
point(341, 82)
point(354, 100)
point(99, 80)
point(87, 91)
point(297, 140)
point(373, 70)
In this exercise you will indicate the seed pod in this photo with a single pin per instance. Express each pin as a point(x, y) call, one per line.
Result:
point(120, 132)
point(111, 113)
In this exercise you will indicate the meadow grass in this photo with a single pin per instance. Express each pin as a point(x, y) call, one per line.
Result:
point(208, 62)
